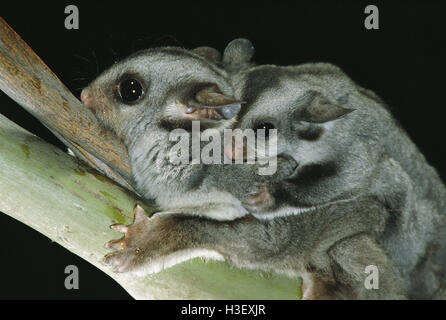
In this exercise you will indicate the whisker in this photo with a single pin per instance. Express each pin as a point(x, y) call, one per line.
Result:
point(82, 58)
point(79, 79)
point(95, 59)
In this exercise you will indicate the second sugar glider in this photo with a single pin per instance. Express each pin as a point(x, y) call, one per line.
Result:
point(347, 149)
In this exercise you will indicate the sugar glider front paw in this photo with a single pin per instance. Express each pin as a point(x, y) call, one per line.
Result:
point(140, 244)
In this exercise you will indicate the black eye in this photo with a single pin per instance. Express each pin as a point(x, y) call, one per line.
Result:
point(264, 126)
point(130, 90)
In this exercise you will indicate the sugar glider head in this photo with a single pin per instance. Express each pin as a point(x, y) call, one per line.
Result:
point(324, 123)
point(162, 89)
point(299, 102)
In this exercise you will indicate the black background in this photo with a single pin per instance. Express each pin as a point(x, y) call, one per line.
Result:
point(403, 61)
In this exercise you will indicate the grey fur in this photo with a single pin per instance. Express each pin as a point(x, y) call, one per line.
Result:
point(364, 155)
point(171, 78)
point(359, 190)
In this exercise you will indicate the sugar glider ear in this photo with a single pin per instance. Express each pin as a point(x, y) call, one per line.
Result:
point(211, 97)
point(210, 54)
point(238, 51)
point(319, 109)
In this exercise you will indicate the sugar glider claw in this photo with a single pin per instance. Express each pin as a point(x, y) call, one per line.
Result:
point(129, 248)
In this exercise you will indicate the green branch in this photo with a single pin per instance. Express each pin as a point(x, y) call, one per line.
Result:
point(73, 205)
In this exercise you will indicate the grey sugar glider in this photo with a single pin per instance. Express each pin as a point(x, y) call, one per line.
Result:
point(347, 149)
point(147, 95)
point(352, 187)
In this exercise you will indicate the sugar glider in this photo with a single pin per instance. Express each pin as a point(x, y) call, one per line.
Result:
point(143, 98)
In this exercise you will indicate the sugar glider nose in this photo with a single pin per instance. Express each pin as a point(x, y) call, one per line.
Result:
point(94, 100)
point(86, 96)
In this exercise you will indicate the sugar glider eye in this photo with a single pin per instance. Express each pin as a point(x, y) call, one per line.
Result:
point(130, 90)
point(264, 126)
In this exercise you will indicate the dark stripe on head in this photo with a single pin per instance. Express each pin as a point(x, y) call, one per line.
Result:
point(313, 133)
point(312, 173)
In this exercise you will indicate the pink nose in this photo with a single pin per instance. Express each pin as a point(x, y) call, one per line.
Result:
point(86, 96)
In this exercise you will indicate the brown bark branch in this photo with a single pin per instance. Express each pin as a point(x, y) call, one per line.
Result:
point(28, 80)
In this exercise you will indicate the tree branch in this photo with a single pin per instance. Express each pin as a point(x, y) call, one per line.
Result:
point(29, 82)
point(74, 206)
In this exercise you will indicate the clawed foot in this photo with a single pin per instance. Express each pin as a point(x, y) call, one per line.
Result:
point(131, 249)
point(259, 201)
